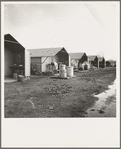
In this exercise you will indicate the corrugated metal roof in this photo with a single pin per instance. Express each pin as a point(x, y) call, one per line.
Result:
point(45, 51)
point(76, 55)
point(92, 58)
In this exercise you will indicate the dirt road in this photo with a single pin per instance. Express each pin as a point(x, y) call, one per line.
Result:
point(43, 96)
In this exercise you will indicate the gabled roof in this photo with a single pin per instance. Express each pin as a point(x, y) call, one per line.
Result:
point(92, 57)
point(111, 62)
point(76, 55)
point(46, 52)
point(12, 44)
point(100, 58)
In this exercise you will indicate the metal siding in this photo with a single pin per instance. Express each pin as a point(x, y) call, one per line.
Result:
point(27, 63)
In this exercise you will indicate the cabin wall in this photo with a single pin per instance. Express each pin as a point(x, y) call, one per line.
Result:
point(74, 63)
point(47, 61)
point(83, 59)
point(55, 59)
point(39, 63)
point(8, 61)
point(19, 58)
point(27, 63)
point(90, 64)
point(63, 57)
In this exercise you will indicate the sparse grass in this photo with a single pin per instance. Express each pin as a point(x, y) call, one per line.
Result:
point(43, 96)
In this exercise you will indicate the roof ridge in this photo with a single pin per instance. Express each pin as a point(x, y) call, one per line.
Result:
point(77, 52)
point(45, 48)
point(45, 51)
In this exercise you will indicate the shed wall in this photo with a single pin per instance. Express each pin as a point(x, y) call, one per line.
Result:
point(43, 61)
point(74, 62)
point(8, 62)
point(55, 58)
point(35, 61)
point(47, 61)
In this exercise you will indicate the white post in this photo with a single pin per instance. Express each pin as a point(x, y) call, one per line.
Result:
point(69, 59)
point(27, 63)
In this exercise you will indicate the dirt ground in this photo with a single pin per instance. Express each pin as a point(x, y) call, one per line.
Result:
point(46, 97)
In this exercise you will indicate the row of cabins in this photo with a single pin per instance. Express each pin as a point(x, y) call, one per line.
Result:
point(19, 60)
point(110, 63)
point(84, 62)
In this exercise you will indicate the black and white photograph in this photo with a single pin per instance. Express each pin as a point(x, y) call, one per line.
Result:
point(61, 60)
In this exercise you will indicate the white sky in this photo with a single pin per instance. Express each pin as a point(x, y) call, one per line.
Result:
point(91, 27)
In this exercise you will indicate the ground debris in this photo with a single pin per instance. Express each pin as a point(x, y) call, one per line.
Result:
point(92, 110)
point(50, 107)
point(101, 111)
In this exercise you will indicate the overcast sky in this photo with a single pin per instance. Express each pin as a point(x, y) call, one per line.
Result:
point(91, 27)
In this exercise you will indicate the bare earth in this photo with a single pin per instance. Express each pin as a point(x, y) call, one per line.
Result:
point(46, 97)
point(106, 104)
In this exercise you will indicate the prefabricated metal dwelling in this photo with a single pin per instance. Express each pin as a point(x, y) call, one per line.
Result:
point(16, 57)
point(40, 58)
point(93, 61)
point(78, 60)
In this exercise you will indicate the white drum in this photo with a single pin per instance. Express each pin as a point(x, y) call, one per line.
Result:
point(63, 71)
point(70, 71)
point(62, 67)
point(63, 75)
